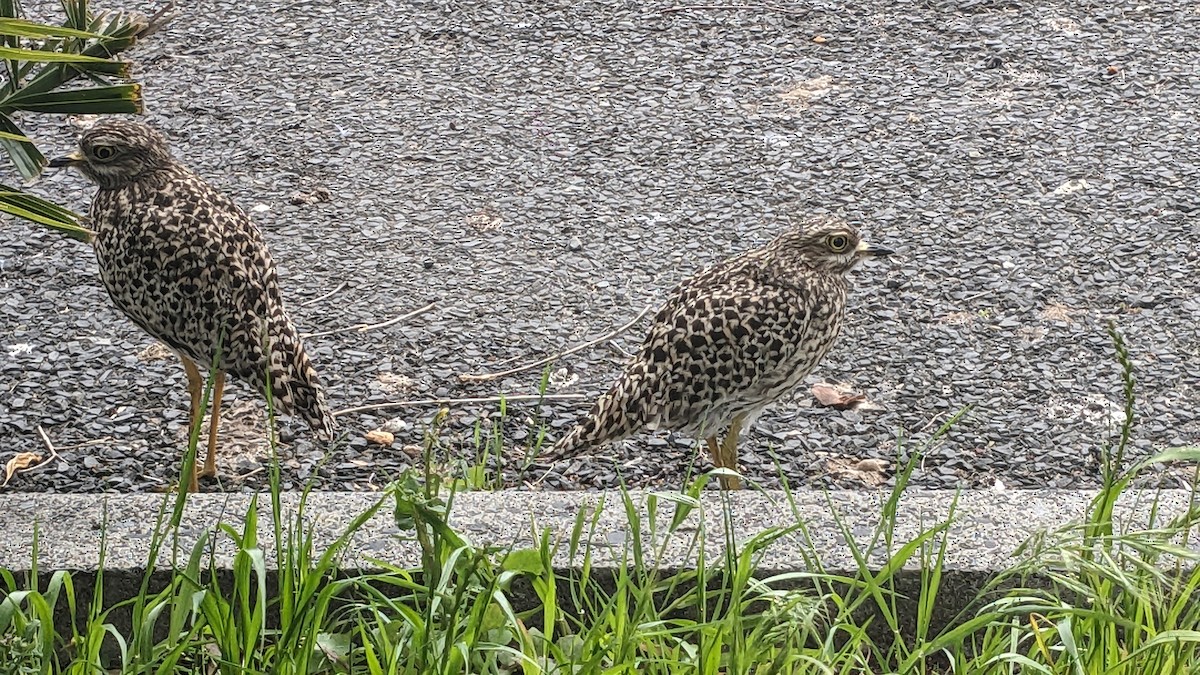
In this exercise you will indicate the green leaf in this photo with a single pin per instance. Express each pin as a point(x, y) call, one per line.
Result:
point(37, 210)
point(77, 14)
point(30, 29)
point(528, 560)
point(40, 56)
point(54, 75)
point(25, 155)
point(121, 98)
point(334, 646)
point(73, 231)
point(37, 204)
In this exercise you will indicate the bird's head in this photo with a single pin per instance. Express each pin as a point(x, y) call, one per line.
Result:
point(827, 245)
point(116, 152)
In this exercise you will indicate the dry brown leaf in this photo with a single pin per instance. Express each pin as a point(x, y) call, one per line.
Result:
point(838, 397)
point(319, 194)
point(872, 464)
point(380, 437)
point(485, 220)
point(810, 90)
point(395, 383)
point(869, 471)
point(23, 460)
point(155, 352)
point(1057, 312)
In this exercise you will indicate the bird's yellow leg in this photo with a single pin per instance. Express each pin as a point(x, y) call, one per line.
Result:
point(210, 461)
point(195, 383)
point(728, 452)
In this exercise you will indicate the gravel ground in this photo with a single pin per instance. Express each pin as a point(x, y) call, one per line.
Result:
point(543, 171)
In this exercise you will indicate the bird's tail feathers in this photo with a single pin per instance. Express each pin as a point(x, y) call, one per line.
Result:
point(295, 385)
point(614, 416)
point(583, 435)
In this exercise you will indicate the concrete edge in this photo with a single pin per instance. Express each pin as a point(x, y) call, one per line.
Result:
point(988, 525)
point(987, 528)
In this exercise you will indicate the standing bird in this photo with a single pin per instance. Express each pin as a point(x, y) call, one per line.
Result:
point(186, 265)
point(731, 340)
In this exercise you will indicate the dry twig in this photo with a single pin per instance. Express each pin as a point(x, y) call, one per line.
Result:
point(452, 401)
point(49, 446)
point(466, 377)
point(250, 473)
point(157, 21)
point(364, 327)
point(328, 295)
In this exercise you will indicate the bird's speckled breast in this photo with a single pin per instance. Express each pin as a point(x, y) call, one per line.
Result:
point(807, 330)
point(157, 267)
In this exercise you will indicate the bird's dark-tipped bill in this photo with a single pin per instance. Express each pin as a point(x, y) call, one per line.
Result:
point(67, 160)
point(870, 249)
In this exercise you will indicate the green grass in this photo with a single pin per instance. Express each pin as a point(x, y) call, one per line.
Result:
point(1093, 597)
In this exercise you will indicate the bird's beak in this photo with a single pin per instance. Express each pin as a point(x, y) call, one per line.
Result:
point(73, 159)
point(866, 249)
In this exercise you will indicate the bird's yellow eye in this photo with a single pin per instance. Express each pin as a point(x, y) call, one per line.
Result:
point(838, 243)
point(103, 152)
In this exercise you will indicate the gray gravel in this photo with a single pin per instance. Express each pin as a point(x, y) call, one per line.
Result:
point(543, 171)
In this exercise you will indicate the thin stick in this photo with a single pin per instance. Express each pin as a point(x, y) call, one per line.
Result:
point(49, 446)
point(464, 377)
point(975, 296)
point(364, 327)
point(505, 362)
point(616, 349)
point(451, 401)
point(46, 440)
point(328, 295)
point(250, 473)
point(773, 8)
point(155, 23)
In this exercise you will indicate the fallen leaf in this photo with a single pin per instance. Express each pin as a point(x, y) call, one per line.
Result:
point(394, 383)
point(485, 220)
point(1057, 312)
point(316, 195)
point(380, 437)
point(23, 460)
point(810, 90)
point(157, 351)
point(335, 646)
point(871, 464)
point(838, 397)
point(869, 471)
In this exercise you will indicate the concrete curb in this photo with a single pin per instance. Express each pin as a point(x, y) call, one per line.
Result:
point(987, 528)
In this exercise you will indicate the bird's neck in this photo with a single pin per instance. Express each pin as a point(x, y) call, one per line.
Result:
point(151, 179)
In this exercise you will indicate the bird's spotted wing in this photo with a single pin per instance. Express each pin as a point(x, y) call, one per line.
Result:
point(263, 338)
point(238, 305)
point(713, 345)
